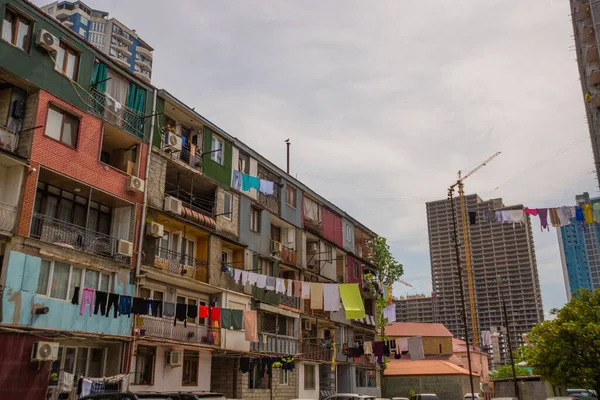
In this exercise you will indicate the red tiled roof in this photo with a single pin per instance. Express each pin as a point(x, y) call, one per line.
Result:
point(407, 329)
point(405, 367)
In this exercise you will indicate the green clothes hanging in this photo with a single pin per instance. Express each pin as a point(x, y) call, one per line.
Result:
point(352, 300)
point(225, 318)
point(236, 319)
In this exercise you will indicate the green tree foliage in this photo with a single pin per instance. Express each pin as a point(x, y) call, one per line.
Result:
point(388, 269)
point(566, 350)
point(505, 371)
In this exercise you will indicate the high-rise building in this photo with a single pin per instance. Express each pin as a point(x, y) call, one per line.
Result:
point(580, 252)
point(503, 261)
point(416, 308)
point(585, 17)
point(109, 35)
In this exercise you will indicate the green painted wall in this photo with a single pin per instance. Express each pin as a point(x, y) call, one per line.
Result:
point(36, 66)
point(221, 173)
point(159, 122)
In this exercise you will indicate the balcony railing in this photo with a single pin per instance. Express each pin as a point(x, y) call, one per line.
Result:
point(8, 215)
point(286, 254)
point(313, 351)
point(183, 265)
point(117, 114)
point(289, 301)
point(194, 333)
point(65, 234)
point(276, 344)
point(8, 140)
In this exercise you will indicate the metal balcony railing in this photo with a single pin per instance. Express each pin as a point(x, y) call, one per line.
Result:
point(117, 114)
point(182, 265)
point(8, 215)
point(313, 351)
point(194, 333)
point(8, 140)
point(276, 344)
point(65, 234)
point(289, 301)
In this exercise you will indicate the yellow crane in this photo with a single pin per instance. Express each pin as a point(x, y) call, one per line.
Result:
point(465, 229)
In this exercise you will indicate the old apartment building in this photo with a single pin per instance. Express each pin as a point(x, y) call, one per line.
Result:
point(113, 189)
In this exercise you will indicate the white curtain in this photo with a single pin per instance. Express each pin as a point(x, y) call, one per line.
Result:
point(311, 210)
point(117, 87)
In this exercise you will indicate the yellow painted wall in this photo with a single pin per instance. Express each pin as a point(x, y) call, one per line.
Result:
point(431, 345)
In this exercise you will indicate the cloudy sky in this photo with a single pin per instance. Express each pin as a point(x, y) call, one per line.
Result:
point(385, 101)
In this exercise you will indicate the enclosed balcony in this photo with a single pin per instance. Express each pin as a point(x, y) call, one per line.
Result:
point(592, 54)
point(271, 202)
point(588, 34)
point(195, 332)
point(144, 51)
point(319, 352)
point(8, 140)
point(12, 172)
point(283, 241)
point(117, 113)
point(180, 264)
point(275, 344)
point(121, 35)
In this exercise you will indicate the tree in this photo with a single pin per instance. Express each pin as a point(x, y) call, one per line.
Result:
point(388, 269)
point(505, 371)
point(566, 350)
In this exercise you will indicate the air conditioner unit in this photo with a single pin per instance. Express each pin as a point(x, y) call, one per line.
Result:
point(173, 205)
point(307, 325)
point(135, 184)
point(44, 351)
point(174, 358)
point(154, 229)
point(312, 247)
point(124, 248)
point(276, 247)
point(173, 142)
point(47, 40)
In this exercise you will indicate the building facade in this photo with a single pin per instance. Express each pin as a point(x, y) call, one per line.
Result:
point(109, 35)
point(580, 252)
point(111, 185)
point(415, 308)
point(503, 260)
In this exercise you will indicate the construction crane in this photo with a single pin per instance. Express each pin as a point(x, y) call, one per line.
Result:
point(465, 229)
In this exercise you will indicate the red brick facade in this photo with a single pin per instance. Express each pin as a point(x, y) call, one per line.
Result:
point(332, 227)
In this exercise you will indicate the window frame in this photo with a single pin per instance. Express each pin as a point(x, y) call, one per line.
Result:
point(18, 18)
point(200, 301)
point(348, 233)
point(255, 220)
point(191, 382)
point(136, 380)
point(290, 189)
point(64, 114)
point(228, 213)
point(313, 385)
point(59, 364)
point(71, 284)
point(355, 269)
point(284, 377)
point(217, 156)
point(68, 50)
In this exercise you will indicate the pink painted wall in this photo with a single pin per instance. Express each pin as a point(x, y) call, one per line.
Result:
point(332, 227)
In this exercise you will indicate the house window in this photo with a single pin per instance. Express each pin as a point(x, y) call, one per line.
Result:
point(227, 206)
point(150, 293)
point(371, 378)
point(255, 220)
point(217, 150)
point(62, 126)
point(355, 269)
point(361, 377)
point(309, 377)
point(328, 250)
point(190, 368)
point(188, 247)
point(16, 30)
point(58, 280)
point(144, 365)
point(348, 233)
point(67, 60)
point(244, 164)
point(291, 196)
point(86, 361)
point(194, 302)
point(284, 377)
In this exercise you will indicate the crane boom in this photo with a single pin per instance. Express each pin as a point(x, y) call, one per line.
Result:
point(477, 168)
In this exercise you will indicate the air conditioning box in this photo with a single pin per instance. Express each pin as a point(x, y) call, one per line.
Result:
point(154, 229)
point(47, 41)
point(307, 325)
point(135, 184)
point(173, 142)
point(173, 205)
point(124, 248)
point(44, 351)
point(174, 358)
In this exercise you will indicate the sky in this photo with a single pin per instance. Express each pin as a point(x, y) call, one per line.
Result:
point(385, 101)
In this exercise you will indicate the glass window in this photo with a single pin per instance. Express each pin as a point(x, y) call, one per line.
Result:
point(104, 283)
point(227, 206)
point(361, 377)
point(44, 277)
point(60, 280)
point(95, 363)
point(144, 365)
point(84, 20)
point(291, 196)
point(62, 126)
point(92, 278)
point(217, 150)
point(16, 30)
point(145, 293)
point(82, 358)
point(371, 378)
point(309, 377)
point(67, 60)
point(255, 219)
point(70, 360)
point(284, 377)
point(190, 368)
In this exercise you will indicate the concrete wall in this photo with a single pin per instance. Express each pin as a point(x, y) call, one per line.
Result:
point(231, 339)
point(287, 213)
point(348, 236)
point(259, 243)
point(11, 179)
point(529, 389)
point(156, 180)
point(228, 227)
point(447, 387)
point(20, 297)
point(307, 393)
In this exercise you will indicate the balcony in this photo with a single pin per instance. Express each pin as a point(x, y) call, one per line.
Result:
point(118, 115)
point(316, 313)
point(143, 76)
point(592, 54)
point(588, 34)
point(64, 234)
point(312, 351)
point(276, 344)
point(584, 12)
point(122, 49)
point(121, 60)
point(289, 301)
point(163, 328)
point(182, 265)
point(286, 254)
point(145, 64)
point(8, 215)
point(122, 36)
point(8, 140)
point(144, 51)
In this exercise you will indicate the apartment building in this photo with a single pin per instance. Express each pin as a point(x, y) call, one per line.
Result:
point(580, 252)
point(109, 35)
point(416, 308)
point(109, 184)
point(502, 259)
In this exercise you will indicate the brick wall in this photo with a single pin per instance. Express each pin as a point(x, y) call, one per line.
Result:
point(156, 180)
point(447, 387)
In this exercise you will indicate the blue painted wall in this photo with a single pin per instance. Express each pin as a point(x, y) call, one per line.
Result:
point(290, 214)
point(258, 243)
point(348, 237)
point(576, 256)
point(23, 272)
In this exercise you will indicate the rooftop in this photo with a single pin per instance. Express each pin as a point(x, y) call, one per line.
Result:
point(408, 329)
point(406, 367)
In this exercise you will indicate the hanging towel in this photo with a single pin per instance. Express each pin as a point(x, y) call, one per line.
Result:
point(331, 297)
point(250, 331)
point(261, 281)
point(266, 187)
point(403, 344)
point(499, 216)
point(368, 347)
point(389, 313)
point(180, 314)
point(352, 300)
point(587, 213)
point(236, 180)
point(472, 217)
point(543, 213)
point(306, 290)
point(554, 218)
point(215, 316)
point(531, 211)
point(270, 282)
point(316, 296)
point(596, 211)
point(565, 215)
point(506, 216)
point(253, 278)
point(244, 277)
point(225, 318)
point(236, 319)
point(516, 216)
point(415, 348)
point(237, 275)
point(279, 285)
point(579, 214)
point(203, 312)
point(378, 349)
point(297, 289)
point(254, 182)
point(290, 288)
point(169, 309)
point(75, 298)
point(245, 183)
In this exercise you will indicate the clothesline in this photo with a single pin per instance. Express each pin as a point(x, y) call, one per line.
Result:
point(241, 181)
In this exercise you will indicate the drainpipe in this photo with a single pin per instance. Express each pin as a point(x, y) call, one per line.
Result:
point(145, 204)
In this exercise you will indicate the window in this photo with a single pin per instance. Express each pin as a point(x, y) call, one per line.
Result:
point(255, 220)
point(291, 196)
point(328, 250)
point(58, 280)
point(348, 233)
point(67, 60)
point(361, 377)
point(82, 31)
point(217, 150)
point(371, 378)
point(86, 361)
point(188, 247)
point(190, 368)
point(62, 126)
point(16, 30)
point(144, 365)
point(244, 164)
point(193, 301)
point(150, 293)
point(355, 269)
point(284, 377)
point(83, 20)
point(309, 377)
point(227, 206)
point(256, 380)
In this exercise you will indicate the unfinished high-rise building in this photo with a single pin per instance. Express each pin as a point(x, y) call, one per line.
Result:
point(416, 308)
point(503, 263)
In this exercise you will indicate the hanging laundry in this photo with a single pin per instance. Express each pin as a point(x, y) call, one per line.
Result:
point(215, 317)
point(237, 317)
point(87, 298)
point(125, 305)
point(587, 213)
point(139, 306)
point(245, 183)
point(266, 187)
point(543, 214)
point(244, 365)
point(297, 289)
point(403, 344)
point(225, 318)
point(316, 296)
point(75, 298)
point(100, 303)
point(596, 212)
point(554, 218)
point(331, 297)
point(377, 349)
point(486, 338)
point(180, 314)
point(491, 216)
point(192, 311)
point(261, 281)
point(306, 290)
point(250, 330)
point(565, 213)
point(113, 302)
point(244, 277)
point(237, 275)
point(270, 283)
point(290, 288)
point(389, 313)
point(505, 216)
point(368, 346)
point(516, 216)
point(169, 310)
point(254, 182)
point(531, 211)
point(203, 312)
point(352, 301)
point(279, 285)
point(579, 214)
point(253, 279)
point(236, 180)
point(472, 217)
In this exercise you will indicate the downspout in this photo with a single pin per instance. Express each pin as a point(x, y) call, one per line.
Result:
point(145, 204)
